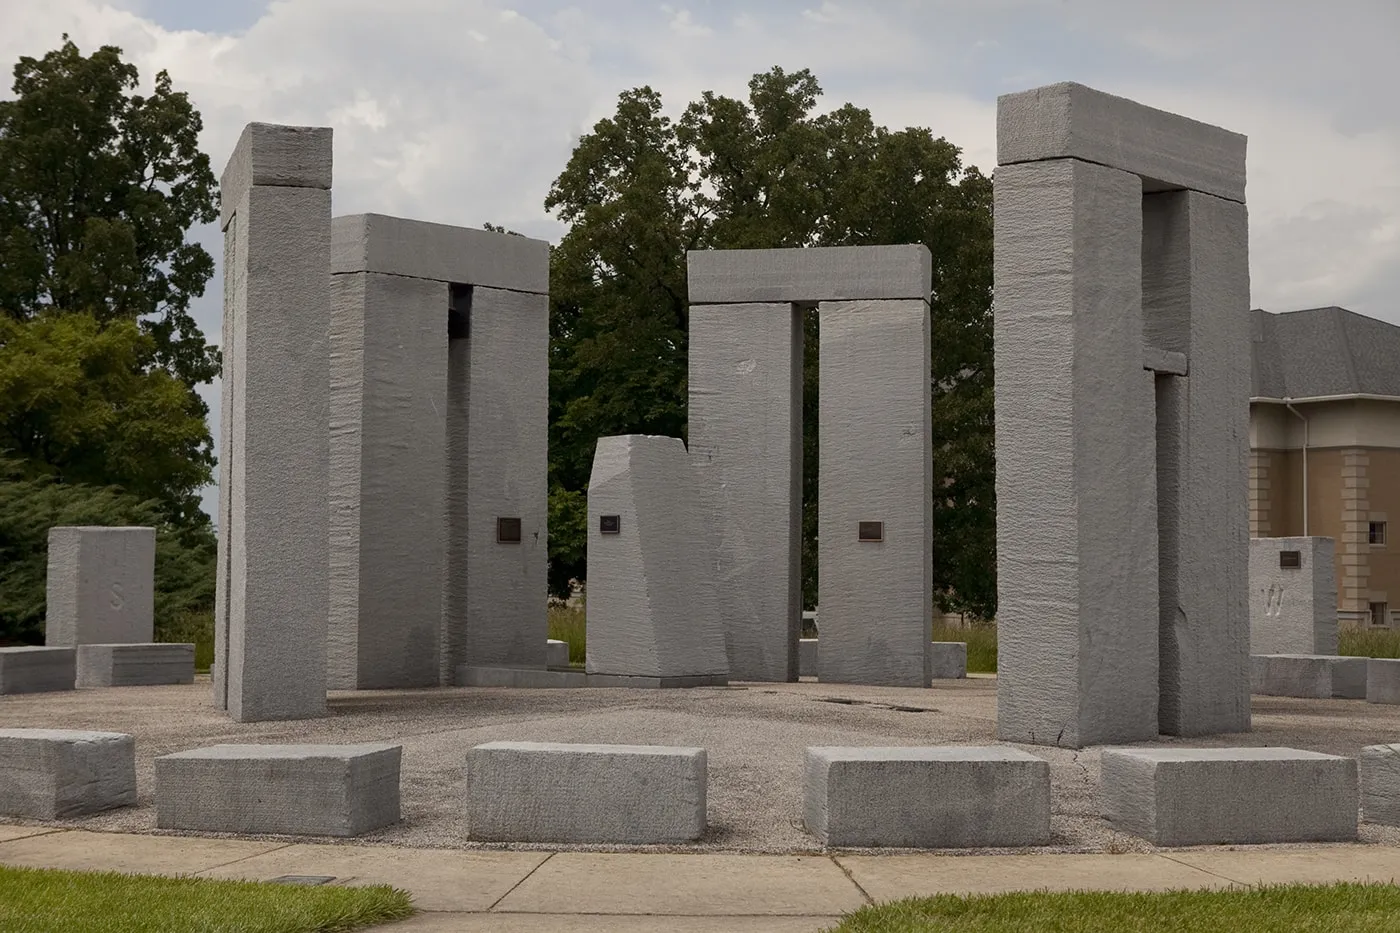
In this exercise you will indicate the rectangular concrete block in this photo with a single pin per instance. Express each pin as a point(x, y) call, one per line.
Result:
point(1311, 676)
point(497, 438)
point(1380, 784)
point(310, 790)
point(1292, 610)
point(528, 678)
point(746, 369)
point(635, 682)
point(807, 657)
point(49, 774)
point(1195, 292)
point(938, 797)
point(272, 597)
point(135, 665)
point(1076, 473)
point(948, 660)
point(608, 794)
point(439, 252)
point(1206, 796)
point(101, 586)
point(652, 607)
point(268, 154)
point(876, 453)
point(1382, 680)
point(37, 670)
point(1071, 121)
point(556, 653)
point(833, 273)
point(388, 469)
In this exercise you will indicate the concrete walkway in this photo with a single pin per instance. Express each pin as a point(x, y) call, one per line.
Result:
point(524, 892)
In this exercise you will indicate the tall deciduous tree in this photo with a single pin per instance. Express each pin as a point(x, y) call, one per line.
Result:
point(98, 189)
point(642, 189)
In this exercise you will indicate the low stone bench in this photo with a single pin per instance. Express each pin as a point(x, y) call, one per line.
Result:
point(532, 678)
point(309, 790)
point(1383, 680)
point(949, 660)
point(135, 665)
point(1205, 796)
point(46, 774)
point(807, 657)
point(931, 797)
point(1380, 784)
point(1312, 676)
point(617, 794)
point(556, 653)
point(37, 670)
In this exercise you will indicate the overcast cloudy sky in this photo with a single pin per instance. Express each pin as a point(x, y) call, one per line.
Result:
point(464, 111)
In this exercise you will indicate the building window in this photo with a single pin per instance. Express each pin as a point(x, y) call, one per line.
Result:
point(1380, 614)
point(1378, 533)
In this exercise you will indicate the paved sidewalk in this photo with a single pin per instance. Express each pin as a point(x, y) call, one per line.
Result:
point(583, 892)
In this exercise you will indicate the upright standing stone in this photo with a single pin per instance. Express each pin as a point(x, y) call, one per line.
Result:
point(1122, 421)
point(1292, 596)
point(746, 427)
point(101, 586)
point(875, 540)
point(439, 424)
point(272, 601)
point(652, 608)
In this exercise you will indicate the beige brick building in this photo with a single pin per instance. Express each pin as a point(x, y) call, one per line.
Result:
point(1325, 447)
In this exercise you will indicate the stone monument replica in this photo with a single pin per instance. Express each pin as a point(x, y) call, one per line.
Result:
point(1122, 399)
point(1292, 596)
point(745, 386)
point(652, 605)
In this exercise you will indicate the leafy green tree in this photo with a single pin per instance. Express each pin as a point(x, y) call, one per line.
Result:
point(29, 506)
point(81, 402)
point(98, 188)
point(641, 190)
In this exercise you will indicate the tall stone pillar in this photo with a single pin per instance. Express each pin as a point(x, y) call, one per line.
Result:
point(273, 565)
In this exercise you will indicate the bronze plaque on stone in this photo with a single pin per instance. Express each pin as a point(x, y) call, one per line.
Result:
point(871, 531)
point(610, 524)
point(1290, 559)
point(508, 531)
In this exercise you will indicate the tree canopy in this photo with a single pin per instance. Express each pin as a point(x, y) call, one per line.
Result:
point(641, 189)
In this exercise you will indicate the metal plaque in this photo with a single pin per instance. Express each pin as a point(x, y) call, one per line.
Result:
point(1291, 559)
point(610, 524)
point(871, 531)
point(508, 531)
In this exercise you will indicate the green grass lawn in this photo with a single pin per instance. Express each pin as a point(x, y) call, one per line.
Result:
point(1369, 642)
point(44, 900)
point(981, 641)
point(566, 624)
point(1338, 908)
point(196, 628)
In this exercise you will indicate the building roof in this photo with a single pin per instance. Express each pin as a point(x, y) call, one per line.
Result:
point(1323, 352)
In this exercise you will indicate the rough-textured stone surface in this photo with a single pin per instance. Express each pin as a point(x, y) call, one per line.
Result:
point(1292, 610)
point(807, 657)
point(1313, 676)
point(1166, 150)
point(275, 156)
point(273, 594)
point(746, 370)
point(941, 797)
point(1380, 784)
point(442, 253)
point(1383, 680)
point(135, 665)
point(619, 794)
point(1203, 796)
point(1076, 474)
point(37, 670)
point(48, 774)
point(634, 682)
point(651, 607)
point(314, 790)
point(497, 437)
point(532, 678)
point(835, 273)
point(556, 653)
point(1195, 281)
point(948, 660)
point(876, 466)
point(388, 537)
point(101, 586)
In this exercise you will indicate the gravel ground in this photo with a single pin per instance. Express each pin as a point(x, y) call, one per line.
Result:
point(755, 735)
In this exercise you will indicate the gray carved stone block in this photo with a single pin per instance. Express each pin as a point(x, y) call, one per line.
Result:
point(1313, 676)
point(135, 665)
point(1292, 596)
point(37, 670)
point(1380, 784)
point(949, 660)
point(101, 585)
point(1383, 680)
point(311, 790)
point(49, 774)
